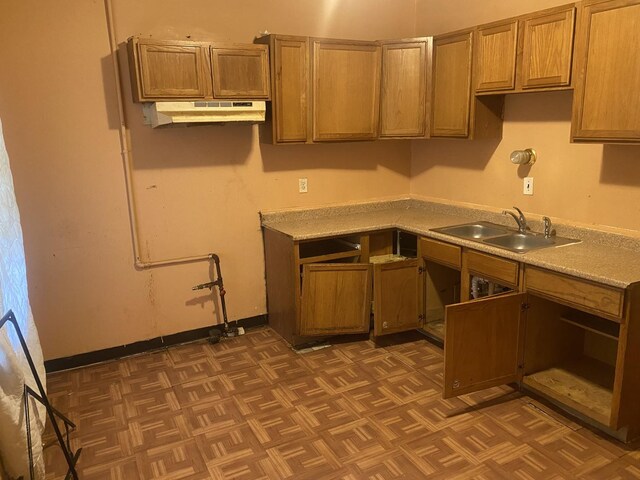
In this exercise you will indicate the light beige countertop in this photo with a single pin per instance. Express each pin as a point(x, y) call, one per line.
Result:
point(603, 257)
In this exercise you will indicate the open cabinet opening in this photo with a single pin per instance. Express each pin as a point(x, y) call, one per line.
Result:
point(442, 288)
point(570, 356)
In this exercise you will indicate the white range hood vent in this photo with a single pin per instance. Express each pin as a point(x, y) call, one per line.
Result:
point(160, 114)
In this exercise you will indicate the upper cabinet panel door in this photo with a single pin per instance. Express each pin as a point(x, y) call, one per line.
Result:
point(495, 50)
point(346, 90)
point(404, 89)
point(547, 50)
point(396, 291)
point(606, 104)
point(336, 298)
point(167, 70)
point(291, 80)
point(451, 86)
point(483, 343)
point(240, 71)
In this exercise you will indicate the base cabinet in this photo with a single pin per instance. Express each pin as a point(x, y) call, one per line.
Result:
point(558, 346)
point(335, 286)
point(336, 298)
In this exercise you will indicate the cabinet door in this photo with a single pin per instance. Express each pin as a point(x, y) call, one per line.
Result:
point(240, 71)
point(483, 343)
point(451, 86)
point(395, 297)
point(290, 93)
point(495, 49)
point(404, 88)
point(336, 298)
point(346, 90)
point(166, 70)
point(606, 104)
point(547, 48)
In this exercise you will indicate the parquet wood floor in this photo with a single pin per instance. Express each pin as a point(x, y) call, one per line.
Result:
point(250, 408)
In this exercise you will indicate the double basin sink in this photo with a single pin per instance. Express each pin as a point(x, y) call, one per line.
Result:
point(503, 237)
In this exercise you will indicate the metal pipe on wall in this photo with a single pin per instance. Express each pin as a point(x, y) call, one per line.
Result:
point(128, 162)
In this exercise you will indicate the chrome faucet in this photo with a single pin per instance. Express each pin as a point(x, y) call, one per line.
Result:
point(549, 231)
point(520, 219)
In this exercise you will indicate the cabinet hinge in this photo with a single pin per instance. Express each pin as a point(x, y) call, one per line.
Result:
point(524, 307)
point(421, 270)
point(421, 317)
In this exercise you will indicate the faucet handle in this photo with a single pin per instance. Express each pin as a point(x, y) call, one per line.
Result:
point(548, 230)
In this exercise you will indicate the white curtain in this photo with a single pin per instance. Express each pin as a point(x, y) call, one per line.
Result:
point(14, 369)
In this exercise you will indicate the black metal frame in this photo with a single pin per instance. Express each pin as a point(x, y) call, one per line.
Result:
point(69, 455)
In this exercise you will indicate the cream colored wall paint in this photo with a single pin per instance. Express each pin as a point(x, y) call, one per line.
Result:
point(590, 184)
point(441, 16)
point(199, 189)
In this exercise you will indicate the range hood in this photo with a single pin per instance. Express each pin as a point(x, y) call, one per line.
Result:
point(160, 114)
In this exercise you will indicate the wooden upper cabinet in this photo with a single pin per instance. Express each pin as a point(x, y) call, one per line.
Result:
point(168, 70)
point(403, 96)
point(289, 60)
point(547, 48)
point(346, 89)
point(495, 51)
point(606, 105)
point(240, 71)
point(451, 85)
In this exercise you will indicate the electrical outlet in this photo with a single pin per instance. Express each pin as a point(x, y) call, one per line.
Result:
point(528, 186)
point(302, 185)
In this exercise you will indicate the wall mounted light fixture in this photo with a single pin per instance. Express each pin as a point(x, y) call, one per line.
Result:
point(524, 157)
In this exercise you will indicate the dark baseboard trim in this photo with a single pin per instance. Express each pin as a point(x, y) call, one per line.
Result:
point(88, 358)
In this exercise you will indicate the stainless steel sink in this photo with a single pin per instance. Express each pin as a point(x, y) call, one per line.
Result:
point(525, 242)
point(503, 237)
point(474, 231)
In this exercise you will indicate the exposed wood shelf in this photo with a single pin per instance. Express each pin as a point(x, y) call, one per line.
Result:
point(594, 324)
point(325, 250)
point(390, 257)
point(583, 384)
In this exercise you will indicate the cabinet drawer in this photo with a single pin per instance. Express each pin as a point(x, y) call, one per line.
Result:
point(441, 252)
point(600, 299)
point(495, 268)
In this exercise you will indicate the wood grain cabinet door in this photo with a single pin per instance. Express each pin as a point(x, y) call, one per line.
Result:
point(395, 293)
point(167, 70)
point(290, 89)
point(606, 105)
point(483, 343)
point(547, 50)
point(404, 89)
point(346, 90)
point(336, 298)
point(451, 85)
point(240, 71)
point(495, 57)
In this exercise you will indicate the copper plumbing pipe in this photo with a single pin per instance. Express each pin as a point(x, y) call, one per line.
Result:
point(126, 158)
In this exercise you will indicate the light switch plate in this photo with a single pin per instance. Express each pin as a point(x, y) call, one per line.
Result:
point(302, 185)
point(528, 186)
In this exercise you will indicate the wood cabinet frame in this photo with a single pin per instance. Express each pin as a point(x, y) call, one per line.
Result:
point(485, 344)
point(404, 100)
point(343, 86)
point(555, 52)
point(605, 105)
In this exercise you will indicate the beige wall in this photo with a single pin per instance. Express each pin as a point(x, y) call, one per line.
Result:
point(588, 184)
point(199, 189)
